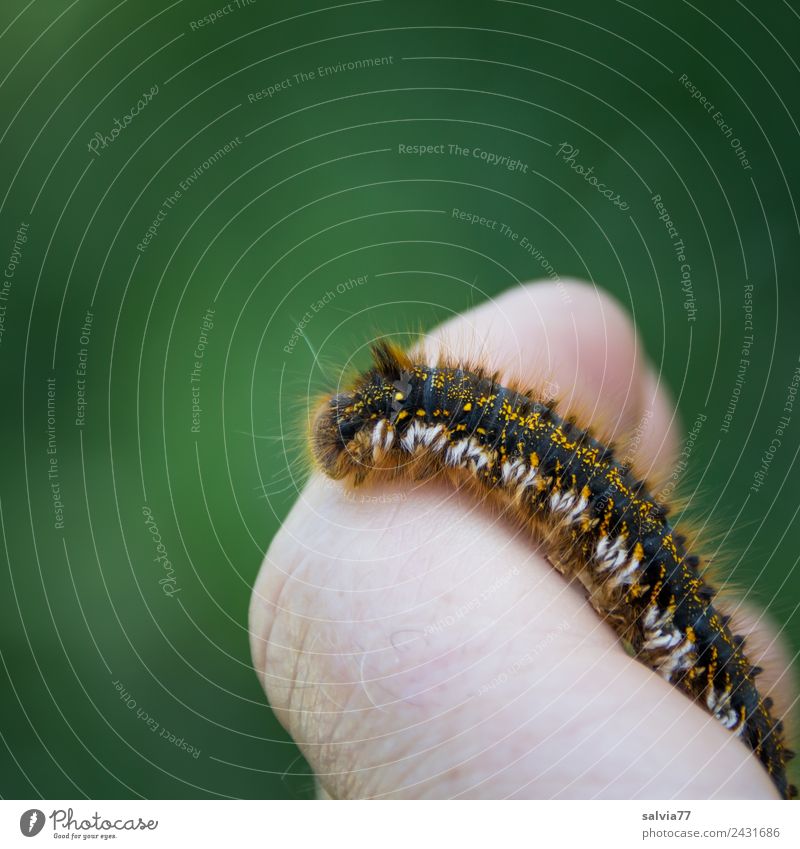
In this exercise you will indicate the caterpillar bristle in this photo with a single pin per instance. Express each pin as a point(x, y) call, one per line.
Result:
point(390, 360)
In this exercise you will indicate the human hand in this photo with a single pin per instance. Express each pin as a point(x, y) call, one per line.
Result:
point(415, 644)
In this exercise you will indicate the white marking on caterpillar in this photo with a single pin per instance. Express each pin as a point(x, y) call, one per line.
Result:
point(442, 442)
point(614, 556)
point(625, 576)
point(478, 454)
point(474, 448)
point(407, 440)
point(563, 502)
point(653, 621)
point(419, 434)
point(455, 451)
point(676, 661)
point(720, 705)
point(663, 641)
point(582, 504)
point(378, 433)
point(526, 481)
point(430, 433)
point(481, 461)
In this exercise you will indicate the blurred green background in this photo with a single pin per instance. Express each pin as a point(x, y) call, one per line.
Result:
point(127, 676)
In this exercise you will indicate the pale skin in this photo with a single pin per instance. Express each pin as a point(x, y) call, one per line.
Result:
point(416, 644)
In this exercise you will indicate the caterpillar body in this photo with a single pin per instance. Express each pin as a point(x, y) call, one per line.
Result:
point(411, 419)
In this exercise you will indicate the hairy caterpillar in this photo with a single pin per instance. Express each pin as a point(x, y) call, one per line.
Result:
point(407, 418)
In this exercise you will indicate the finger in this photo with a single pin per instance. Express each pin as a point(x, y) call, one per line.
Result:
point(410, 662)
point(569, 332)
point(376, 622)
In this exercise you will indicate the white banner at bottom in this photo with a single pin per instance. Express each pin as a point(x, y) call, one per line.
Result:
point(386, 824)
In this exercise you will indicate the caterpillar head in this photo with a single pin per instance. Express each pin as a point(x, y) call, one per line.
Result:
point(354, 430)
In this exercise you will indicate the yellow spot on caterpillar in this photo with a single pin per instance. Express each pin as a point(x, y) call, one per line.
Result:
point(398, 396)
point(467, 407)
point(403, 414)
point(420, 412)
point(637, 590)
